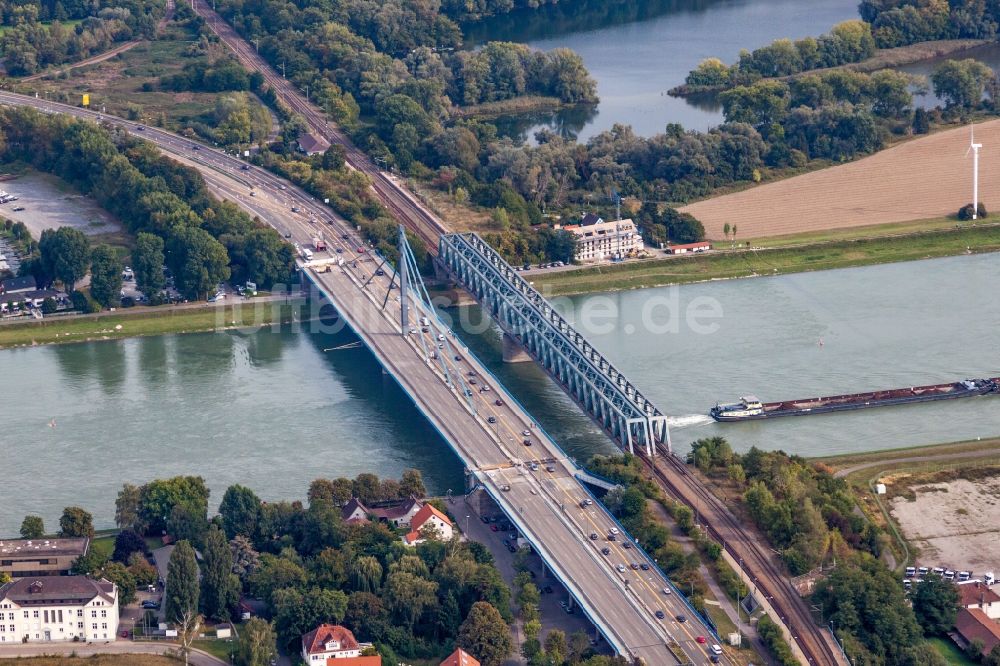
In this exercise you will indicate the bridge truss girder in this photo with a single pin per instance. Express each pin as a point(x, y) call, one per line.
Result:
point(590, 379)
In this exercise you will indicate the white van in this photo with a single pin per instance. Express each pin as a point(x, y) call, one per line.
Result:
point(424, 321)
point(716, 649)
point(989, 578)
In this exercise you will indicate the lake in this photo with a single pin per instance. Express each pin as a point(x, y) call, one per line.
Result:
point(637, 50)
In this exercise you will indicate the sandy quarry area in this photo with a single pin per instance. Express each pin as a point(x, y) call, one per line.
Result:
point(955, 524)
point(49, 203)
point(917, 180)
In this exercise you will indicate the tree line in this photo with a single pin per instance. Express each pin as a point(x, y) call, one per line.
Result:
point(809, 516)
point(31, 44)
point(847, 42)
point(309, 567)
point(166, 205)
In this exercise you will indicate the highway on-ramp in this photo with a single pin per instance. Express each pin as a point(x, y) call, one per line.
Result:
point(437, 372)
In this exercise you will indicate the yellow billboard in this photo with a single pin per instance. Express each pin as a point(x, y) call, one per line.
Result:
point(86, 99)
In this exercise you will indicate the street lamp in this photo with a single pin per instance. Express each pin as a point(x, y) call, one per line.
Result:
point(466, 524)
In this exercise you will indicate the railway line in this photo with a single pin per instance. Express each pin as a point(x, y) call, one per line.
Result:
point(390, 194)
point(769, 580)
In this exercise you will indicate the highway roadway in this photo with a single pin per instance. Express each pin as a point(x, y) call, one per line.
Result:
point(545, 503)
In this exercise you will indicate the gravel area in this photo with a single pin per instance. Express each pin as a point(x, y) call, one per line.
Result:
point(49, 203)
point(955, 524)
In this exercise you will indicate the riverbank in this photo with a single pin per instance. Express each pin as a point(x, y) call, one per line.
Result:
point(940, 237)
point(883, 59)
point(509, 107)
point(197, 318)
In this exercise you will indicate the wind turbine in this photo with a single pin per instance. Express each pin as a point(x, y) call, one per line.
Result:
point(974, 149)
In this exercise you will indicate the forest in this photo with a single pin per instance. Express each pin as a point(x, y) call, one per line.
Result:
point(309, 567)
point(42, 34)
point(201, 240)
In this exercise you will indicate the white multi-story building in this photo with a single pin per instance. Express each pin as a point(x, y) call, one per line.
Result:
point(58, 608)
point(597, 240)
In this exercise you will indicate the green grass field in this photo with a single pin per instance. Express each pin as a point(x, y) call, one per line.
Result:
point(950, 652)
point(809, 254)
point(142, 321)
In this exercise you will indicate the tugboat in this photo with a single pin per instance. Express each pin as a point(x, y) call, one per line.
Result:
point(750, 408)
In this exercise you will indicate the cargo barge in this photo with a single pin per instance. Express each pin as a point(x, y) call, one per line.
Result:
point(749, 408)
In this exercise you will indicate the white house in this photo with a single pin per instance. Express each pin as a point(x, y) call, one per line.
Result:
point(429, 517)
point(597, 240)
point(58, 608)
point(332, 641)
point(975, 594)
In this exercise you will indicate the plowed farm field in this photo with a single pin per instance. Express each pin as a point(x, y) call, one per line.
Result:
point(924, 178)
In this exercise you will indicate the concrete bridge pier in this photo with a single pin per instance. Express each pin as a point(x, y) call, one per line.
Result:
point(513, 352)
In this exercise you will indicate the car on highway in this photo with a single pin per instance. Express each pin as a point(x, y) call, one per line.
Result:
point(527, 442)
point(660, 615)
point(682, 618)
point(644, 566)
point(473, 381)
point(605, 551)
point(379, 272)
point(245, 167)
point(498, 402)
point(505, 487)
point(550, 468)
point(612, 537)
point(586, 502)
point(620, 568)
point(635, 566)
point(491, 419)
point(666, 590)
point(700, 639)
point(627, 545)
point(593, 536)
point(714, 658)
point(613, 530)
point(525, 432)
point(484, 389)
point(139, 128)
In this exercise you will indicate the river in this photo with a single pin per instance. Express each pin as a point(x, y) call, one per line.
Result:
point(273, 410)
point(638, 49)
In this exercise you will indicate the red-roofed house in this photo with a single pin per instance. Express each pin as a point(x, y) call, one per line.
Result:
point(428, 516)
point(398, 515)
point(977, 595)
point(973, 624)
point(460, 658)
point(332, 641)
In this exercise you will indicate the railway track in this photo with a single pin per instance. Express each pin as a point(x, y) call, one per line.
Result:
point(769, 580)
point(389, 193)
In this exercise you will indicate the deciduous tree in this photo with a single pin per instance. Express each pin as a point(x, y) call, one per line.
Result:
point(485, 635)
point(32, 527)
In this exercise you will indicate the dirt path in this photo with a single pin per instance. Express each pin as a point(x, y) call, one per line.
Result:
point(107, 55)
point(983, 453)
point(920, 179)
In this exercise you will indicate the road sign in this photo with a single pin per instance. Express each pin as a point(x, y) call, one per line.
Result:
point(86, 99)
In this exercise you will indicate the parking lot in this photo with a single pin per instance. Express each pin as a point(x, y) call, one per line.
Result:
point(45, 202)
point(553, 594)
